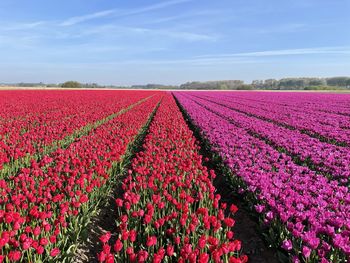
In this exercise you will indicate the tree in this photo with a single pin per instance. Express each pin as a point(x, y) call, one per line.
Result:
point(348, 83)
point(317, 82)
point(270, 84)
point(292, 83)
point(223, 86)
point(244, 87)
point(71, 85)
point(258, 84)
point(338, 81)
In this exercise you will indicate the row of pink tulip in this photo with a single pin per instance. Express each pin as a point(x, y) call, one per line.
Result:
point(319, 105)
point(302, 101)
point(309, 212)
point(332, 127)
point(320, 156)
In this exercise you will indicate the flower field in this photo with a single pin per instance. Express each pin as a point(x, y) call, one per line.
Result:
point(290, 163)
point(63, 155)
point(169, 209)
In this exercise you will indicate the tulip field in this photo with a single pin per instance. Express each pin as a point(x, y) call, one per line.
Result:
point(288, 154)
point(158, 156)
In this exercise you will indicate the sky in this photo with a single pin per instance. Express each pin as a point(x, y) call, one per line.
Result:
point(172, 41)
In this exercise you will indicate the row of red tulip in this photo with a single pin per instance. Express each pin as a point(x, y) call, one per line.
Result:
point(44, 208)
point(169, 210)
point(58, 114)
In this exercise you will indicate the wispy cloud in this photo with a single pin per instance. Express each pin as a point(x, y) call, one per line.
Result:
point(94, 49)
point(18, 41)
point(188, 36)
point(287, 28)
point(184, 62)
point(284, 52)
point(155, 7)
point(194, 61)
point(111, 29)
point(22, 26)
point(120, 13)
point(79, 19)
point(191, 15)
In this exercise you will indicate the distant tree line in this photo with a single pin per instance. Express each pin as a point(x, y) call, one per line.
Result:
point(216, 85)
point(273, 84)
point(67, 84)
point(23, 84)
point(303, 83)
point(268, 84)
point(154, 86)
point(77, 85)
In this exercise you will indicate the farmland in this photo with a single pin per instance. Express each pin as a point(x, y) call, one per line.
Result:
point(154, 158)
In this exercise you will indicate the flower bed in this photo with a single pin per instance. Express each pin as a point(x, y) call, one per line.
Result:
point(309, 213)
point(326, 158)
point(45, 207)
point(169, 210)
point(49, 117)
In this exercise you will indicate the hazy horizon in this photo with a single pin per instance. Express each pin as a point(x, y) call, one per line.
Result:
point(173, 41)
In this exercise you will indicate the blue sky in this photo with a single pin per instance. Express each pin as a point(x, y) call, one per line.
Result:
point(172, 41)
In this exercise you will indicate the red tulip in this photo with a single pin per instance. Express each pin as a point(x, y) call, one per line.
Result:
point(104, 238)
point(15, 255)
point(170, 250)
point(118, 246)
point(55, 252)
point(151, 241)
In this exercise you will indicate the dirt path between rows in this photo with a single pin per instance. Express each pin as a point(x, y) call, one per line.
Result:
point(246, 229)
point(102, 223)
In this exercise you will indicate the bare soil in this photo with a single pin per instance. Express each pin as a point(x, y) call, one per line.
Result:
point(246, 229)
point(100, 224)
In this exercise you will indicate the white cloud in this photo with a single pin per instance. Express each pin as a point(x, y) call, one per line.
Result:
point(22, 26)
point(186, 62)
point(187, 36)
point(287, 28)
point(79, 19)
point(115, 12)
point(119, 31)
point(188, 15)
point(155, 7)
point(284, 52)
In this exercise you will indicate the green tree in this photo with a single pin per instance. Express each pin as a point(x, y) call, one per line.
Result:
point(348, 83)
point(317, 82)
point(71, 85)
point(223, 87)
point(244, 87)
point(338, 81)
